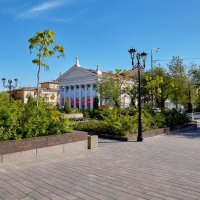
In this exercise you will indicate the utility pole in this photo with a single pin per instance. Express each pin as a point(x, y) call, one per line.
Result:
point(152, 73)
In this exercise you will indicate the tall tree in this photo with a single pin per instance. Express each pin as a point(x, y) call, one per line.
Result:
point(195, 75)
point(113, 86)
point(179, 80)
point(159, 85)
point(44, 47)
point(193, 78)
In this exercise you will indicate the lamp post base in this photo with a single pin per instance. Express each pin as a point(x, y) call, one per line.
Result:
point(139, 139)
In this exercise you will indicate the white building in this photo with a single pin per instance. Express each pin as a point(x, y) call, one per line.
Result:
point(79, 86)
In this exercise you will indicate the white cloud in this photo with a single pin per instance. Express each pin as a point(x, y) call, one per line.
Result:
point(36, 10)
point(69, 19)
point(62, 20)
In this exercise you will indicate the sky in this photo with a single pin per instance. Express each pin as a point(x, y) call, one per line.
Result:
point(98, 32)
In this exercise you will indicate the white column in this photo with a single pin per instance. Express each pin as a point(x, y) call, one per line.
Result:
point(74, 96)
point(64, 95)
point(85, 96)
point(79, 97)
point(60, 97)
point(69, 96)
point(91, 97)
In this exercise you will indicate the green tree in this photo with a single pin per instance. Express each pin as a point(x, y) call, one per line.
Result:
point(160, 85)
point(67, 108)
point(153, 84)
point(96, 102)
point(44, 45)
point(4, 98)
point(194, 72)
point(195, 75)
point(192, 87)
point(113, 86)
point(179, 81)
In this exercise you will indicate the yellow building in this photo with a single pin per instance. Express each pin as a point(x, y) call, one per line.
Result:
point(24, 93)
point(47, 90)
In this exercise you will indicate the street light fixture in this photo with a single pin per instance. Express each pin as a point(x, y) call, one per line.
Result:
point(138, 66)
point(9, 86)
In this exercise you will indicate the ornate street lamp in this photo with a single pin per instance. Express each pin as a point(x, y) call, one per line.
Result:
point(138, 66)
point(9, 86)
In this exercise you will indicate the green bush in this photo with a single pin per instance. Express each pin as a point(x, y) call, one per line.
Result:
point(125, 122)
point(173, 118)
point(18, 120)
point(119, 122)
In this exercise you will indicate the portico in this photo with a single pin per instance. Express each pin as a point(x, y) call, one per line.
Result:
point(78, 86)
point(78, 95)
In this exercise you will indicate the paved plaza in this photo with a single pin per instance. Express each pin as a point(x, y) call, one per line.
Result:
point(161, 167)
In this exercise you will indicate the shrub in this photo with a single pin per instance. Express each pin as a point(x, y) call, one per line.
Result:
point(67, 108)
point(110, 123)
point(173, 118)
point(119, 122)
point(18, 120)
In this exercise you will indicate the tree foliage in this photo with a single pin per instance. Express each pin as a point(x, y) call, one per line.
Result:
point(195, 75)
point(159, 84)
point(178, 80)
point(43, 45)
point(113, 86)
point(176, 83)
point(67, 108)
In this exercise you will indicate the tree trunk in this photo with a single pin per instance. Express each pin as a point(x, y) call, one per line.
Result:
point(162, 103)
point(116, 102)
point(189, 102)
point(176, 105)
point(38, 79)
point(189, 107)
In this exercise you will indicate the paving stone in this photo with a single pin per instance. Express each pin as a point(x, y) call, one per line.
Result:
point(160, 168)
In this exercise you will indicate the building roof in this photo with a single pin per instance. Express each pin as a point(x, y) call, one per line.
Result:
point(96, 71)
point(35, 88)
point(51, 82)
point(25, 89)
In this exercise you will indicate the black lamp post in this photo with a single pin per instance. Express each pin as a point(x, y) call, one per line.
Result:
point(9, 86)
point(138, 66)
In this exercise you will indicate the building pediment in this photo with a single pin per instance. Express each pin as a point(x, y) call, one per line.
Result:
point(76, 73)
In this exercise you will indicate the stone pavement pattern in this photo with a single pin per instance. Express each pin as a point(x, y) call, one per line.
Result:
point(162, 167)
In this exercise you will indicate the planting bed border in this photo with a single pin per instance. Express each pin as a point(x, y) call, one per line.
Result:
point(134, 137)
point(40, 147)
point(40, 142)
point(151, 133)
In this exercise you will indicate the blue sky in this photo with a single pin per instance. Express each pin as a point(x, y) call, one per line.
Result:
point(99, 32)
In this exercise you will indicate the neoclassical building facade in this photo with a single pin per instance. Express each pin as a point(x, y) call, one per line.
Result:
point(78, 86)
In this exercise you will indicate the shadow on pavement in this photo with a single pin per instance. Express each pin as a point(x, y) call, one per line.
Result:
point(189, 134)
point(103, 141)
